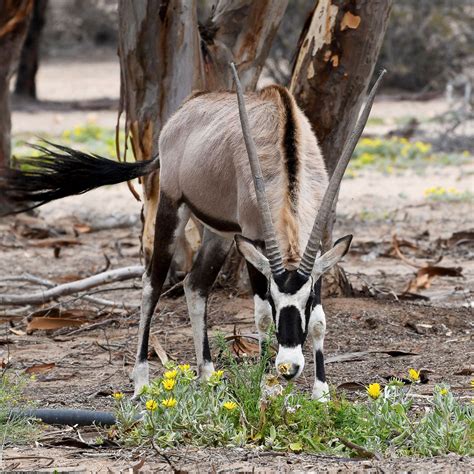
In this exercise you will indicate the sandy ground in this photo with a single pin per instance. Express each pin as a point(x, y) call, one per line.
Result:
point(91, 363)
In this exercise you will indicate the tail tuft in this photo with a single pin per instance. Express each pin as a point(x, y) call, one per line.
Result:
point(62, 172)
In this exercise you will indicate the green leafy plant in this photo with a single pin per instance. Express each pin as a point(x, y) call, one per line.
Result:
point(13, 428)
point(398, 154)
point(242, 405)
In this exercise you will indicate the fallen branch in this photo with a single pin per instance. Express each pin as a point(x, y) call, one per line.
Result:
point(51, 284)
point(40, 297)
point(360, 450)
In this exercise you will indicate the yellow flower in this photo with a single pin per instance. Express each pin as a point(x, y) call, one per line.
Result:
point(169, 384)
point(170, 374)
point(184, 367)
point(374, 390)
point(414, 375)
point(118, 396)
point(169, 402)
point(218, 374)
point(230, 406)
point(151, 405)
point(443, 391)
point(472, 383)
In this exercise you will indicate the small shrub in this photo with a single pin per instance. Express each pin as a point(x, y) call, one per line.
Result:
point(243, 406)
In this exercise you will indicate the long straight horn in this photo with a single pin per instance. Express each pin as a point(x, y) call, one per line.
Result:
point(271, 245)
point(314, 242)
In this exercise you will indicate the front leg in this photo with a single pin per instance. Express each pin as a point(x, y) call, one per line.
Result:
point(316, 330)
point(262, 308)
point(197, 286)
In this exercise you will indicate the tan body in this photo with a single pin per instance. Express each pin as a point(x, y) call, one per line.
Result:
point(204, 162)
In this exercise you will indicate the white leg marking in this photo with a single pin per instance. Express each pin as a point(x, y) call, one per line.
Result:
point(206, 369)
point(140, 373)
point(140, 376)
point(263, 317)
point(197, 309)
point(317, 330)
point(320, 391)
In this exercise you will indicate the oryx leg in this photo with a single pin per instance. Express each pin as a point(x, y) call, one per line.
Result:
point(197, 286)
point(169, 218)
point(316, 330)
point(262, 308)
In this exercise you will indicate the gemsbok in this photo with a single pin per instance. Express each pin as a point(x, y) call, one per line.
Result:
point(275, 210)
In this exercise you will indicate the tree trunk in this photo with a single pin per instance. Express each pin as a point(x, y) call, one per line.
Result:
point(28, 67)
point(165, 55)
point(14, 17)
point(336, 60)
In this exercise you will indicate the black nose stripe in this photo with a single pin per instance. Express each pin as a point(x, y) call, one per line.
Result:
point(290, 333)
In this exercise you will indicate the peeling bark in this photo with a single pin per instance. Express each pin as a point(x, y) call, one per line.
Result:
point(14, 18)
point(335, 63)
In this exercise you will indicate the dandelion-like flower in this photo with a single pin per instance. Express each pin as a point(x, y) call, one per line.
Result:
point(168, 384)
point(170, 374)
point(284, 369)
point(414, 375)
point(151, 405)
point(472, 383)
point(374, 390)
point(230, 406)
point(118, 396)
point(184, 367)
point(169, 402)
point(443, 391)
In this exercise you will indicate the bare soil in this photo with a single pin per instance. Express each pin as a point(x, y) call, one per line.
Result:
point(90, 362)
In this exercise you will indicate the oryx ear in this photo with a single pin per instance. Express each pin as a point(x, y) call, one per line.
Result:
point(330, 258)
point(250, 252)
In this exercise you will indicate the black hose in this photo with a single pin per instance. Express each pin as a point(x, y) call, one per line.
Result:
point(54, 416)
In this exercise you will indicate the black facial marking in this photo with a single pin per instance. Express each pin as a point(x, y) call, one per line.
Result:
point(290, 333)
point(290, 282)
point(320, 372)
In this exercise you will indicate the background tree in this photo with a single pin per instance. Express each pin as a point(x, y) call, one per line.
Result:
point(338, 52)
point(168, 49)
point(14, 18)
point(29, 59)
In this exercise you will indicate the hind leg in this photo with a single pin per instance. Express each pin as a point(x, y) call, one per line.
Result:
point(169, 217)
point(197, 286)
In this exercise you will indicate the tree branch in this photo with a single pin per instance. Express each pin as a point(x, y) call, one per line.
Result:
point(40, 297)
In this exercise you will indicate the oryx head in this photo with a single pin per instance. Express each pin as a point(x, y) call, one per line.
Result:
point(295, 295)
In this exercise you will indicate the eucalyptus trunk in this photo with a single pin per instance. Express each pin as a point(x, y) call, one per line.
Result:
point(338, 51)
point(14, 18)
point(166, 53)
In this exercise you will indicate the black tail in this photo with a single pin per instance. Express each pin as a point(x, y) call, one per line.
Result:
point(56, 174)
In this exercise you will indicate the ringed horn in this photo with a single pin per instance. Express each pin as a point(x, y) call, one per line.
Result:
point(271, 245)
point(314, 241)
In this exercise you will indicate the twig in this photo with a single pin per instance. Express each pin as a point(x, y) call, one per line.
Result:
point(89, 327)
point(359, 449)
point(164, 456)
point(170, 290)
point(66, 289)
